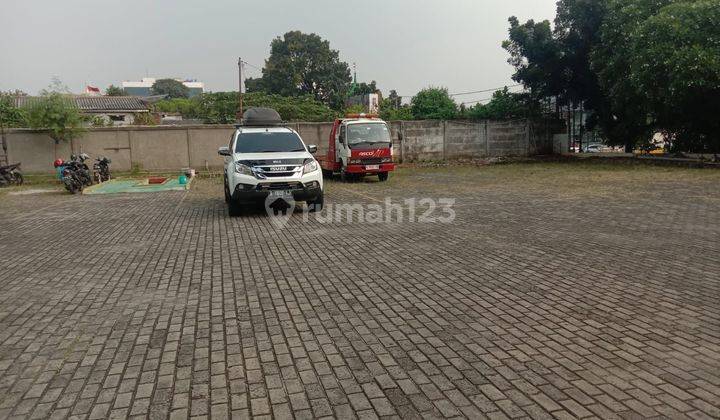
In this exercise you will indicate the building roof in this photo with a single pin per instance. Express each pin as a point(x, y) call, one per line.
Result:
point(97, 103)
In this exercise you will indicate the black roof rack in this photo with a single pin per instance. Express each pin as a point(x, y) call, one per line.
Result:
point(260, 117)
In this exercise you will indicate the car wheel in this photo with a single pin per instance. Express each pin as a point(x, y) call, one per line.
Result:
point(383, 176)
point(227, 193)
point(235, 209)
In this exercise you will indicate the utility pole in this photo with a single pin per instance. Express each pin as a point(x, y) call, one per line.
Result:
point(240, 92)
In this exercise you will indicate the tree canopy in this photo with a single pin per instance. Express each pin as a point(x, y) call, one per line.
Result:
point(10, 115)
point(171, 88)
point(221, 107)
point(503, 105)
point(304, 64)
point(57, 113)
point(113, 90)
point(640, 66)
point(433, 104)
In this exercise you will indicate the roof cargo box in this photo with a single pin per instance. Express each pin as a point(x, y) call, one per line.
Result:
point(261, 117)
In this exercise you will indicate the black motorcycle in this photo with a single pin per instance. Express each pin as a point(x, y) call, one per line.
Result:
point(72, 176)
point(83, 171)
point(11, 175)
point(101, 169)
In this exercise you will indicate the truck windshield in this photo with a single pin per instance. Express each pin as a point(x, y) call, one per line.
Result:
point(267, 142)
point(371, 134)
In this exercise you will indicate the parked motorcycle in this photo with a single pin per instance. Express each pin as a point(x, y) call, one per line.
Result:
point(72, 175)
point(11, 175)
point(83, 170)
point(101, 169)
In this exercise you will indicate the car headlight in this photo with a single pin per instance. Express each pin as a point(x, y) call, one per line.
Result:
point(243, 169)
point(355, 161)
point(310, 166)
point(386, 160)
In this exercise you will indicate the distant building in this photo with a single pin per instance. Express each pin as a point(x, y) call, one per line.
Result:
point(370, 102)
point(144, 87)
point(120, 110)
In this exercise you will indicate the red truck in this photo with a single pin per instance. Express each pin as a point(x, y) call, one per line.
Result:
point(359, 145)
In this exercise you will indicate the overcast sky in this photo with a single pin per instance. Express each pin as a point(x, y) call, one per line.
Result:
point(402, 44)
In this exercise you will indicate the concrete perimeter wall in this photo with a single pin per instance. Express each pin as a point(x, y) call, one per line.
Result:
point(160, 148)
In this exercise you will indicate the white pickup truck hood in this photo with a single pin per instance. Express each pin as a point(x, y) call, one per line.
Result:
point(271, 156)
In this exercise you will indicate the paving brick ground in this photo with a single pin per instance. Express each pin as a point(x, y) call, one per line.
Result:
point(555, 293)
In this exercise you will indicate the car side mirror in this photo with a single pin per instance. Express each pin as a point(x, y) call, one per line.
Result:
point(224, 151)
point(312, 148)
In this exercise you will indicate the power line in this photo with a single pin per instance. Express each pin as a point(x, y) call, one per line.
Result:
point(472, 92)
point(252, 65)
point(485, 90)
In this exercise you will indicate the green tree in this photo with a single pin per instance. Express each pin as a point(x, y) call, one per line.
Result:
point(355, 109)
point(10, 115)
point(221, 107)
point(391, 109)
point(188, 108)
point(433, 104)
point(113, 90)
point(363, 88)
point(58, 114)
point(503, 105)
point(622, 113)
point(674, 61)
point(536, 55)
point(303, 64)
point(171, 88)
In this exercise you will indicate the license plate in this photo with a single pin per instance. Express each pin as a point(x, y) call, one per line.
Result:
point(279, 193)
point(372, 167)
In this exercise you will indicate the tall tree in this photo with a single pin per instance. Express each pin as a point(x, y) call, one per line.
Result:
point(622, 113)
point(674, 60)
point(433, 104)
point(301, 64)
point(171, 88)
point(57, 113)
point(536, 56)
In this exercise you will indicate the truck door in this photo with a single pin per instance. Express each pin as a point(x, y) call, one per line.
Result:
point(340, 143)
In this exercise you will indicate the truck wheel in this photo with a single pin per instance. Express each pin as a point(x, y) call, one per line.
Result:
point(234, 209)
point(316, 204)
point(383, 176)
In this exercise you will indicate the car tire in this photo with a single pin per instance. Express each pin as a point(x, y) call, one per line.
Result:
point(317, 204)
point(383, 176)
point(235, 209)
point(226, 190)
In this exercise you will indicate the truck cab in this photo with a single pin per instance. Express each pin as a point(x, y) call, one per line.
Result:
point(359, 145)
point(266, 161)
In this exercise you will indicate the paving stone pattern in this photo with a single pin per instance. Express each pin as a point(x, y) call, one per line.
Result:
point(529, 305)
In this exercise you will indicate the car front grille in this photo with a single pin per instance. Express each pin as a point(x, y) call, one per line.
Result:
point(277, 171)
point(267, 186)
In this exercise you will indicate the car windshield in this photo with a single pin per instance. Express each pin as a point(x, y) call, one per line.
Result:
point(367, 134)
point(267, 142)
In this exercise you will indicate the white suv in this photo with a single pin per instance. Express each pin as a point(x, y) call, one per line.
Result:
point(265, 161)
